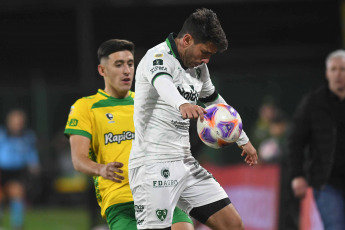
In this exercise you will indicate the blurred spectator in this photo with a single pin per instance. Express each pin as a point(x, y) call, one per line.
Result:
point(272, 149)
point(260, 130)
point(319, 126)
point(18, 157)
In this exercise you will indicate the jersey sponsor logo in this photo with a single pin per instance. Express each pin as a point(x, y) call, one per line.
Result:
point(139, 208)
point(165, 173)
point(73, 122)
point(158, 55)
point(160, 68)
point(184, 125)
point(161, 214)
point(164, 183)
point(190, 95)
point(158, 62)
point(110, 117)
point(118, 138)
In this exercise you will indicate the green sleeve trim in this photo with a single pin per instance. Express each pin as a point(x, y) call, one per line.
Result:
point(159, 74)
point(78, 132)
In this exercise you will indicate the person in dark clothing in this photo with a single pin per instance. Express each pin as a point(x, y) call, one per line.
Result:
point(319, 127)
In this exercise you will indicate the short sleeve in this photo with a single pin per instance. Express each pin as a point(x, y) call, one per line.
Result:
point(79, 121)
point(158, 64)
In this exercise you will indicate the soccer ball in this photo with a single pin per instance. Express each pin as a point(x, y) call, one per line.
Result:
point(221, 127)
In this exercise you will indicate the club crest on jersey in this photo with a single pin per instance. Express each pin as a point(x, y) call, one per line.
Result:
point(161, 214)
point(110, 117)
point(158, 62)
point(189, 94)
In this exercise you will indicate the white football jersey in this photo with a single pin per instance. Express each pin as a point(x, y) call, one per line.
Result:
point(161, 134)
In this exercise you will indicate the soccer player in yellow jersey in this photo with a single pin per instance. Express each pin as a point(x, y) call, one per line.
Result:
point(100, 129)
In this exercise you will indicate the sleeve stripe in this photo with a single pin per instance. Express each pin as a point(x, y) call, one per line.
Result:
point(214, 96)
point(68, 132)
point(159, 74)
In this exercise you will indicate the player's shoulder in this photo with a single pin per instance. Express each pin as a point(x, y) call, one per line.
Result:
point(88, 101)
point(160, 51)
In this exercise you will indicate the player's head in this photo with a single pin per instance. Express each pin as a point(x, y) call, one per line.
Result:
point(335, 71)
point(116, 65)
point(202, 36)
point(16, 121)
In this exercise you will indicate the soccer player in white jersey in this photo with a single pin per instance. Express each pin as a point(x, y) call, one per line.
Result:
point(170, 79)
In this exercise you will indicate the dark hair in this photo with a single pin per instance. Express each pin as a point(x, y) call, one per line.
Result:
point(204, 27)
point(112, 46)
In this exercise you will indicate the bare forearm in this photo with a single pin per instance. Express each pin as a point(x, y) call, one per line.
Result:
point(80, 156)
point(86, 165)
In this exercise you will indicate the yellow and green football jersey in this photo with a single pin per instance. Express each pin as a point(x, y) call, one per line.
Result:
point(108, 123)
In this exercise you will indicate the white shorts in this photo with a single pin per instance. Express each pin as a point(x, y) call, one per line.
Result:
point(159, 187)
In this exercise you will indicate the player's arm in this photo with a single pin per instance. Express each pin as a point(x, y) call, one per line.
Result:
point(243, 141)
point(82, 163)
point(250, 151)
point(168, 92)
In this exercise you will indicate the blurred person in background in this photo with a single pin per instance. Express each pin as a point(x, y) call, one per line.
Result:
point(18, 157)
point(319, 126)
point(260, 130)
point(100, 129)
point(170, 79)
point(273, 148)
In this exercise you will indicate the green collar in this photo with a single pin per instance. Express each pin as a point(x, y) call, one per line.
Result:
point(172, 46)
point(103, 93)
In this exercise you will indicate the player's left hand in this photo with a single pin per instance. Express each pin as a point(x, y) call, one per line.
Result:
point(250, 151)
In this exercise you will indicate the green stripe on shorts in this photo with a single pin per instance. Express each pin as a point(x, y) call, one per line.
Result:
point(122, 216)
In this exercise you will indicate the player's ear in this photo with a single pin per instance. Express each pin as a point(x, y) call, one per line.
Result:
point(101, 70)
point(187, 40)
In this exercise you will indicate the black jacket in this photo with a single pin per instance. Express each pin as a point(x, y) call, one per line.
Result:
point(312, 141)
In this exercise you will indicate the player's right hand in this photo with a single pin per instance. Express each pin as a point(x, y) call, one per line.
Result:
point(190, 111)
point(299, 187)
point(111, 171)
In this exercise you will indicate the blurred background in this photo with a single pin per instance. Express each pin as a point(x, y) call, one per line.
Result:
point(276, 54)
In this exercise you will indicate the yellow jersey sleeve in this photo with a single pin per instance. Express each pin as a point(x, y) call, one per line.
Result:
point(79, 120)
